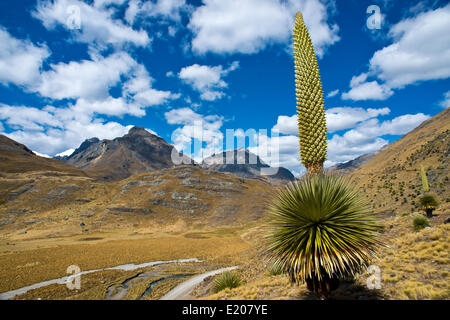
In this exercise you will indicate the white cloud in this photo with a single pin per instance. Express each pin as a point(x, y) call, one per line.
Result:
point(235, 26)
point(1, 127)
point(170, 10)
point(20, 60)
point(98, 26)
point(339, 118)
point(53, 130)
point(139, 89)
point(207, 80)
point(420, 51)
point(332, 93)
point(445, 103)
point(345, 117)
point(89, 79)
point(199, 136)
point(366, 135)
point(18, 117)
point(361, 89)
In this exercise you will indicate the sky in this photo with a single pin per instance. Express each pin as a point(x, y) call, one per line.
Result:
point(71, 70)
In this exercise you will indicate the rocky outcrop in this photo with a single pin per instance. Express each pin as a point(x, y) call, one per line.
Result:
point(243, 163)
point(136, 152)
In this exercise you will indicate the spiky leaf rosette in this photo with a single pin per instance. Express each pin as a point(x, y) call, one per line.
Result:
point(310, 106)
point(321, 227)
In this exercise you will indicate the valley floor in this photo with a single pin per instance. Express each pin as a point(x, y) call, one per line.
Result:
point(414, 265)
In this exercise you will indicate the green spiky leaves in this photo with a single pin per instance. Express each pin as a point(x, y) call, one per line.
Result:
point(320, 226)
point(310, 104)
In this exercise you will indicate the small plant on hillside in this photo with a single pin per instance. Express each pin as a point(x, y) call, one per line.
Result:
point(423, 175)
point(420, 222)
point(226, 280)
point(320, 229)
point(428, 203)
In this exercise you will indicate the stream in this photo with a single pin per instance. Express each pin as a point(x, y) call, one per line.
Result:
point(63, 280)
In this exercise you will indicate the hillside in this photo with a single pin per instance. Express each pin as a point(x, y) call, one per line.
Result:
point(181, 198)
point(352, 165)
point(136, 152)
point(391, 179)
point(16, 158)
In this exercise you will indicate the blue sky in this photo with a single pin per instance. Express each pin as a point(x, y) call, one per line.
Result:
point(71, 70)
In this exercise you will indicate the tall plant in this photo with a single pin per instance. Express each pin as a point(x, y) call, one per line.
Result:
point(427, 201)
point(312, 127)
point(423, 175)
point(320, 228)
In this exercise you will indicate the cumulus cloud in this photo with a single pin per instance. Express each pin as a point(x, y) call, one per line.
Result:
point(20, 60)
point(139, 89)
point(98, 26)
point(235, 26)
point(339, 118)
point(52, 130)
point(18, 117)
point(332, 93)
point(365, 134)
point(169, 10)
point(207, 80)
point(445, 103)
point(89, 79)
point(420, 51)
point(199, 136)
point(361, 89)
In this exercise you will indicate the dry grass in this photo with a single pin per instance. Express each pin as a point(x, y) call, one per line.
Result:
point(90, 283)
point(415, 265)
point(19, 269)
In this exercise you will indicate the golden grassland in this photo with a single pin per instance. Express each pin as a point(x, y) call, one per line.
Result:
point(413, 265)
point(93, 285)
point(22, 268)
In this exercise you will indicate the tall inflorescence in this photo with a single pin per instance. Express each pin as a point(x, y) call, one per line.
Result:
point(310, 104)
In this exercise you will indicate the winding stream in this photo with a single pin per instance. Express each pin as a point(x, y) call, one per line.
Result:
point(63, 280)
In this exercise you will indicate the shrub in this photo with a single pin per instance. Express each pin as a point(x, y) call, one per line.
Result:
point(320, 231)
point(225, 280)
point(420, 222)
point(428, 203)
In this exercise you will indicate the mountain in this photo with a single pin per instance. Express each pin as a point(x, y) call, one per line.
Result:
point(352, 165)
point(391, 179)
point(17, 158)
point(244, 164)
point(64, 155)
point(136, 152)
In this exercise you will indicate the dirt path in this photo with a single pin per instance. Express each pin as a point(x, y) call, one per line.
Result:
point(63, 280)
point(182, 291)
